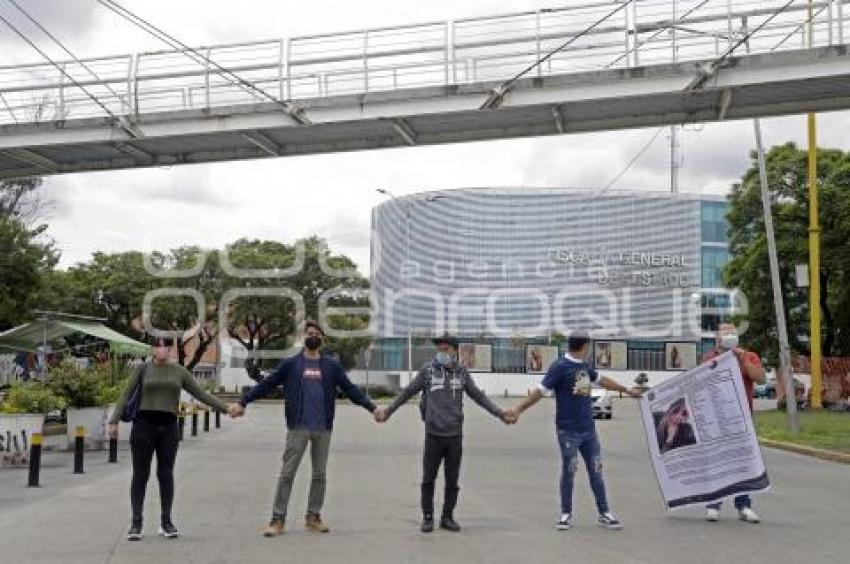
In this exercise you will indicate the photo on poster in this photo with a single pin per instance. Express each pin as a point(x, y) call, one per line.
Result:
point(538, 358)
point(602, 354)
point(610, 355)
point(681, 356)
point(476, 358)
point(674, 427)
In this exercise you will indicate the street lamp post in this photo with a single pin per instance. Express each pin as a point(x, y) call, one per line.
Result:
point(408, 204)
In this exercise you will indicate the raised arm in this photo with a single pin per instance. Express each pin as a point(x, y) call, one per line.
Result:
point(192, 386)
point(353, 392)
point(612, 385)
point(415, 386)
point(266, 385)
point(535, 396)
point(547, 385)
point(479, 397)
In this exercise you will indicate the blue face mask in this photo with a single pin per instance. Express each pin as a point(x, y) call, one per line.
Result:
point(443, 358)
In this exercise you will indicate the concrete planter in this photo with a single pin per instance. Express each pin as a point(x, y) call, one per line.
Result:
point(16, 430)
point(94, 419)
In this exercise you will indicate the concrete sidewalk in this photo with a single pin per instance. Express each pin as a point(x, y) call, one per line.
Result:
point(225, 481)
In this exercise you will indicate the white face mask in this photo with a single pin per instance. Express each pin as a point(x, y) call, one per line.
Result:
point(729, 342)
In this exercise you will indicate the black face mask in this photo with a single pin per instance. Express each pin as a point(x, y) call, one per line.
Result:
point(313, 343)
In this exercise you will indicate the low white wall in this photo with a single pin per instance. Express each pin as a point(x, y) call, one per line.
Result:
point(499, 384)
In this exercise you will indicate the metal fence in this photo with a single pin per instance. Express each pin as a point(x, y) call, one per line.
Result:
point(602, 35)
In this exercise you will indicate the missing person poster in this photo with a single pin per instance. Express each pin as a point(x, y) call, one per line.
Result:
point(701, 437)
point(538, 358)
point(610, 355)
point(681, 356)
point(476, 358)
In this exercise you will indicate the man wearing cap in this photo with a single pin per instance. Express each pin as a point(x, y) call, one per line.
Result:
point(569, 378)
point(442, 382)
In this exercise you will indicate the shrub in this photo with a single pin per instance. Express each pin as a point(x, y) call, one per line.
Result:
point(82, 387)
point(31, 397)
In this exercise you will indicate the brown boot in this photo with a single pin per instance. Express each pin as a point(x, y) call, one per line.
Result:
point(274, 529)
point(314, 524)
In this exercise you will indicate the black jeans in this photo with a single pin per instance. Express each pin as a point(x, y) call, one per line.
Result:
point(151, 435)
point(437, 450)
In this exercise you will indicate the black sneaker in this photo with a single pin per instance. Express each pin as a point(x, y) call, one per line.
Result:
point(168, 530)
point(449, 524)
point(135, 532)
point(609, 521)
point(427, 524)
point(565, 523)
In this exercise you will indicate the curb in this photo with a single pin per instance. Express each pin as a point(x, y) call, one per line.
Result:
point(823, 454)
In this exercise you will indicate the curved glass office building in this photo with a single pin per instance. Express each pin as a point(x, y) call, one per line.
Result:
point(504, 265)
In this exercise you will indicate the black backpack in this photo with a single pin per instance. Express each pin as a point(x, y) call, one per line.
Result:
point(134, 402)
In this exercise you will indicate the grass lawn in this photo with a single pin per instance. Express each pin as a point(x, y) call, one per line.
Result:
point(821, 429)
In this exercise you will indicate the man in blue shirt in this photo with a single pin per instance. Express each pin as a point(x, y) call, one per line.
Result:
point(310, 381)
point(570, 379)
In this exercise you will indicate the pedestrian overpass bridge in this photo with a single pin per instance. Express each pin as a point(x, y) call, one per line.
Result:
point(618, 64)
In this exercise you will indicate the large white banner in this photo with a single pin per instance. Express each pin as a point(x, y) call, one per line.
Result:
point(701, 437)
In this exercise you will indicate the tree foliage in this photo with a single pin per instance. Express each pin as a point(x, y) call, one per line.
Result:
point(748, 270)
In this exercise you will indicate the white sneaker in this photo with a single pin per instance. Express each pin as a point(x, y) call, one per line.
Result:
point(748, 515)
point(712, 514)
point(609, 521)
point(565, 522)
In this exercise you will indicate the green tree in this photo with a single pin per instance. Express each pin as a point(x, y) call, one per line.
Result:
point(261, 323)
point(21, 199)
point(25, 257)
point(748, 269)
point(114, 285)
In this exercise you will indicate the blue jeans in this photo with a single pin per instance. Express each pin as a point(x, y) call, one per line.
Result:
point(741, 502)
point(587, 444)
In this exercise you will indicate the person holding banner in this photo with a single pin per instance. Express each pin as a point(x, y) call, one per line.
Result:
point(570, 378)
point(752, 373)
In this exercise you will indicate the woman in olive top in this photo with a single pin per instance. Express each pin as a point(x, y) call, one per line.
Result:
point(155, 431)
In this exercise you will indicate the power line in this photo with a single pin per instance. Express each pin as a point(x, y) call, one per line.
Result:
point(657, 33)
point(631, 162)
point(498, 93)
point(288, 107)
point(791, 34)
point(58, 67)
point(714, 66)
point(63, 47)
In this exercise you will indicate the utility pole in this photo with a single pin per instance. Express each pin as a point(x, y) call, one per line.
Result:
point(408, 204)
point(778, 301)
point(814, 246)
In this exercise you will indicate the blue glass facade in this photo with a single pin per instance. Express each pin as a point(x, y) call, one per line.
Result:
point(715, 243)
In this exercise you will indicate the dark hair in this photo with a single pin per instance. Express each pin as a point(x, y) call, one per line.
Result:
point(167, 341)
point(678, 405)
point(577, 342)
point(310, 323)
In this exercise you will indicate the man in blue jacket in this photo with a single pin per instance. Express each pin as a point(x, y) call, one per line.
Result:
point(310, 382)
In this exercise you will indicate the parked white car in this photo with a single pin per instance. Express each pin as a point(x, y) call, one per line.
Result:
point(603, 402)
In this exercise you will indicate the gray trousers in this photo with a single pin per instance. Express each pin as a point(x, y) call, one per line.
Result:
point(296, 444)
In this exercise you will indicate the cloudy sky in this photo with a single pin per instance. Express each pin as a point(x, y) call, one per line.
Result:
point(332, 195)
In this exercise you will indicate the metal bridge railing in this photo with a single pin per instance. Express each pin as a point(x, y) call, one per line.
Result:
point(628, 33)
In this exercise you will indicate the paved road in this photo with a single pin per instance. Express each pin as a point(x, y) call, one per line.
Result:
point(508, 502)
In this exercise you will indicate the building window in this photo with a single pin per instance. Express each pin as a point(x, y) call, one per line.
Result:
point(646, 355)
point(714, 261)
point(714, 223)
